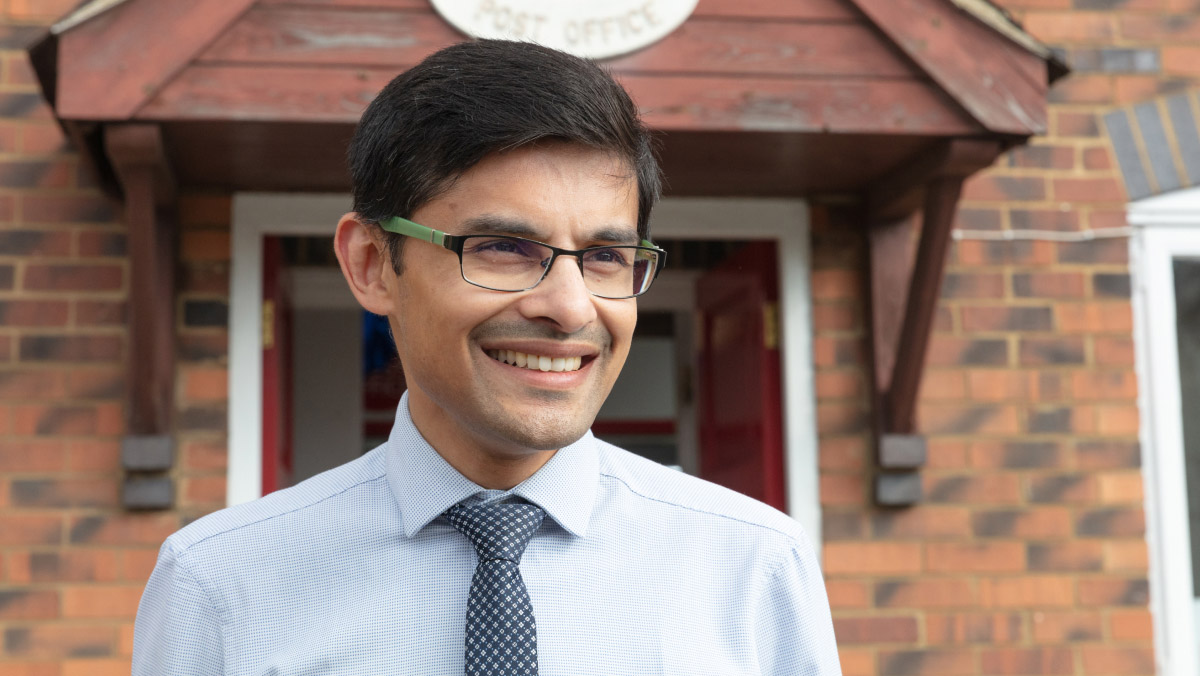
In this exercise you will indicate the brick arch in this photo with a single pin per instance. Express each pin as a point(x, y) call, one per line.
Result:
point(1157, 144)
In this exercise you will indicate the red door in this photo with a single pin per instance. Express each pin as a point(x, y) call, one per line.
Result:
point(741, 417)
point(277, 372)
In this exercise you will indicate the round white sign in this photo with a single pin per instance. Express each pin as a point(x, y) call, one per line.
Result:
point(587, 28)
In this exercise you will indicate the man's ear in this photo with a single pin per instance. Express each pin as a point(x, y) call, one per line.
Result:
point(365, 264)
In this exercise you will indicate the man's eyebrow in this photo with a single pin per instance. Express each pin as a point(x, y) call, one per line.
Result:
point(499, 225)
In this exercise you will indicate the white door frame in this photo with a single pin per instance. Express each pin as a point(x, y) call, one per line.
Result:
point(257, 215)
point(1166, 227)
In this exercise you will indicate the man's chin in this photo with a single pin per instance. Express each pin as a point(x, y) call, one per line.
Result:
point(540, 430)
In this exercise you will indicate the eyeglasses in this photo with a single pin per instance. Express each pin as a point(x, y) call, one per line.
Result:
point(506, 263)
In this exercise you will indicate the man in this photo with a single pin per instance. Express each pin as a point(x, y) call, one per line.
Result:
point(502, 193)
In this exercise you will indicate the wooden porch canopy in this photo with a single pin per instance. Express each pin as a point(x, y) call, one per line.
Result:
point(886, 104)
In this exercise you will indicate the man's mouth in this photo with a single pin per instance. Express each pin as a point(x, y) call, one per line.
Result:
point(536, 362)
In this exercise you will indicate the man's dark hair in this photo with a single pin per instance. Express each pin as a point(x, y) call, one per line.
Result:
point(435, 121)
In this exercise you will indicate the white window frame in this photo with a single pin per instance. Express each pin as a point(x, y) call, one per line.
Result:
point(258, 215)
point(1166, 227)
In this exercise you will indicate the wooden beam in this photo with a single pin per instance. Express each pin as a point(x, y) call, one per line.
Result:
point(906, 269)
point(137, 154)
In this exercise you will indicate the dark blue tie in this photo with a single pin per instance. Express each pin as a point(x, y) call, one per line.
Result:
point(501, 634)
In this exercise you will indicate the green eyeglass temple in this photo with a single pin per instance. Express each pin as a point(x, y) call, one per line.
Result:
point(403, 226)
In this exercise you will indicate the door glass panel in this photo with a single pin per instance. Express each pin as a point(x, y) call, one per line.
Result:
point(1187, 313)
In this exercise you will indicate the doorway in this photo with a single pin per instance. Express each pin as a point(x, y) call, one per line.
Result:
point(660, 422)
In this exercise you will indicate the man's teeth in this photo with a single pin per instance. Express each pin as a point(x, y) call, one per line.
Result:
point(536, 362)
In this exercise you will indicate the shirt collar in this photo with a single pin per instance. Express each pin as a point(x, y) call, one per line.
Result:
point(425, 485)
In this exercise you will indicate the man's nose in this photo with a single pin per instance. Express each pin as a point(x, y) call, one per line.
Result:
point(562, 297)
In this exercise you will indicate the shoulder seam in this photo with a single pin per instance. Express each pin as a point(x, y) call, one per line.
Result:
point(275, 516)
point(186, 567)
point(791, 538)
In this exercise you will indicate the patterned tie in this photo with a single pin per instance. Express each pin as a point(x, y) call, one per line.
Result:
point(501, 634)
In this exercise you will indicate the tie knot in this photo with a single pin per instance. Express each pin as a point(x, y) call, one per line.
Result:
point(498, 531)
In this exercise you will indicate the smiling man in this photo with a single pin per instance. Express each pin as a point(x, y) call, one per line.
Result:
point(502, 195)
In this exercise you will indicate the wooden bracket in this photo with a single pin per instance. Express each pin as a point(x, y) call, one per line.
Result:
point(907, 262)
point(137, 154)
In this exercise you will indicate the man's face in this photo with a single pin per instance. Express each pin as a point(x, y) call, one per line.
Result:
point(448, 331)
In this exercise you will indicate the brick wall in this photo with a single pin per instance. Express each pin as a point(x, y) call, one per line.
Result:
point(1028, 554)
point(1027, 557)
point(72, 563)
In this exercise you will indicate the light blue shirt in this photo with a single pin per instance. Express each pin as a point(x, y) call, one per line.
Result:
point(638, 569)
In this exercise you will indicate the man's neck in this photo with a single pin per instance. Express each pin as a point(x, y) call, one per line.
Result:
point(487, 465)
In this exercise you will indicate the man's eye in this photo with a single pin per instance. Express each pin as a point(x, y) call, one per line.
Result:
point(607, 256)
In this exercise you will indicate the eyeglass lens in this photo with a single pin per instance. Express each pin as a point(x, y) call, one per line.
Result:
point(512, 264)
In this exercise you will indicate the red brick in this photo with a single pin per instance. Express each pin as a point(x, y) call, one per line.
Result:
point(989, 187)
point(1072, 124)
point(1017, 454)
point(47, 641)
point(973, 285)
point(70, 348)
point(1049, 285)
point(1114, 591)
point(959, 628)
point(137, 564)
point(937, 384)
point(960, 419)
point(205, 384)
point(839, 384)
point(1181, 60)
point(92, 455)
point(940, 592)
point(1006, 318)
point(972, 488)
point(69, 277)
point(1131, 625)
point(69, 565)
point(841, 418)
point(924, 521)
point(857, 662)
point(1089, 190)
point(871, 558)
point(61, 208)
point(101, 602)
point(208, 491)
point(31, 456)
point(32, 669)
point(1097, 159)
point(1034, 522)
point(1031, 591)
point(205, 455)
point(1113, 350)
point(100, 313)
point(35, 243)
point(1067, 626)
point(28, 529)
point(835, 317)
point(1062, 488)
point(1042, 157)
point(1102, 385)
point(1117, 420)
point(42, 419)
point(1118, 661)
point(1066, 555)
point(843, 489)
point(122, 529)
point(981, 557)
point(102, 244)
point(42, 139)
point(33, 313)
point(97, 667)
point(1126, 555)
point(845, 594)
point(1071, 27)
point(997, 385)
point(945, 454)
point(1052, 351)
point(28, 604)
point(1083, 88)
point(65, 492)
point(1016, 252)
point(1059, 220)
point(953, 351)
point(875, 629)
point(1121, 487)
point(1043, 660)
point(920, 662)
